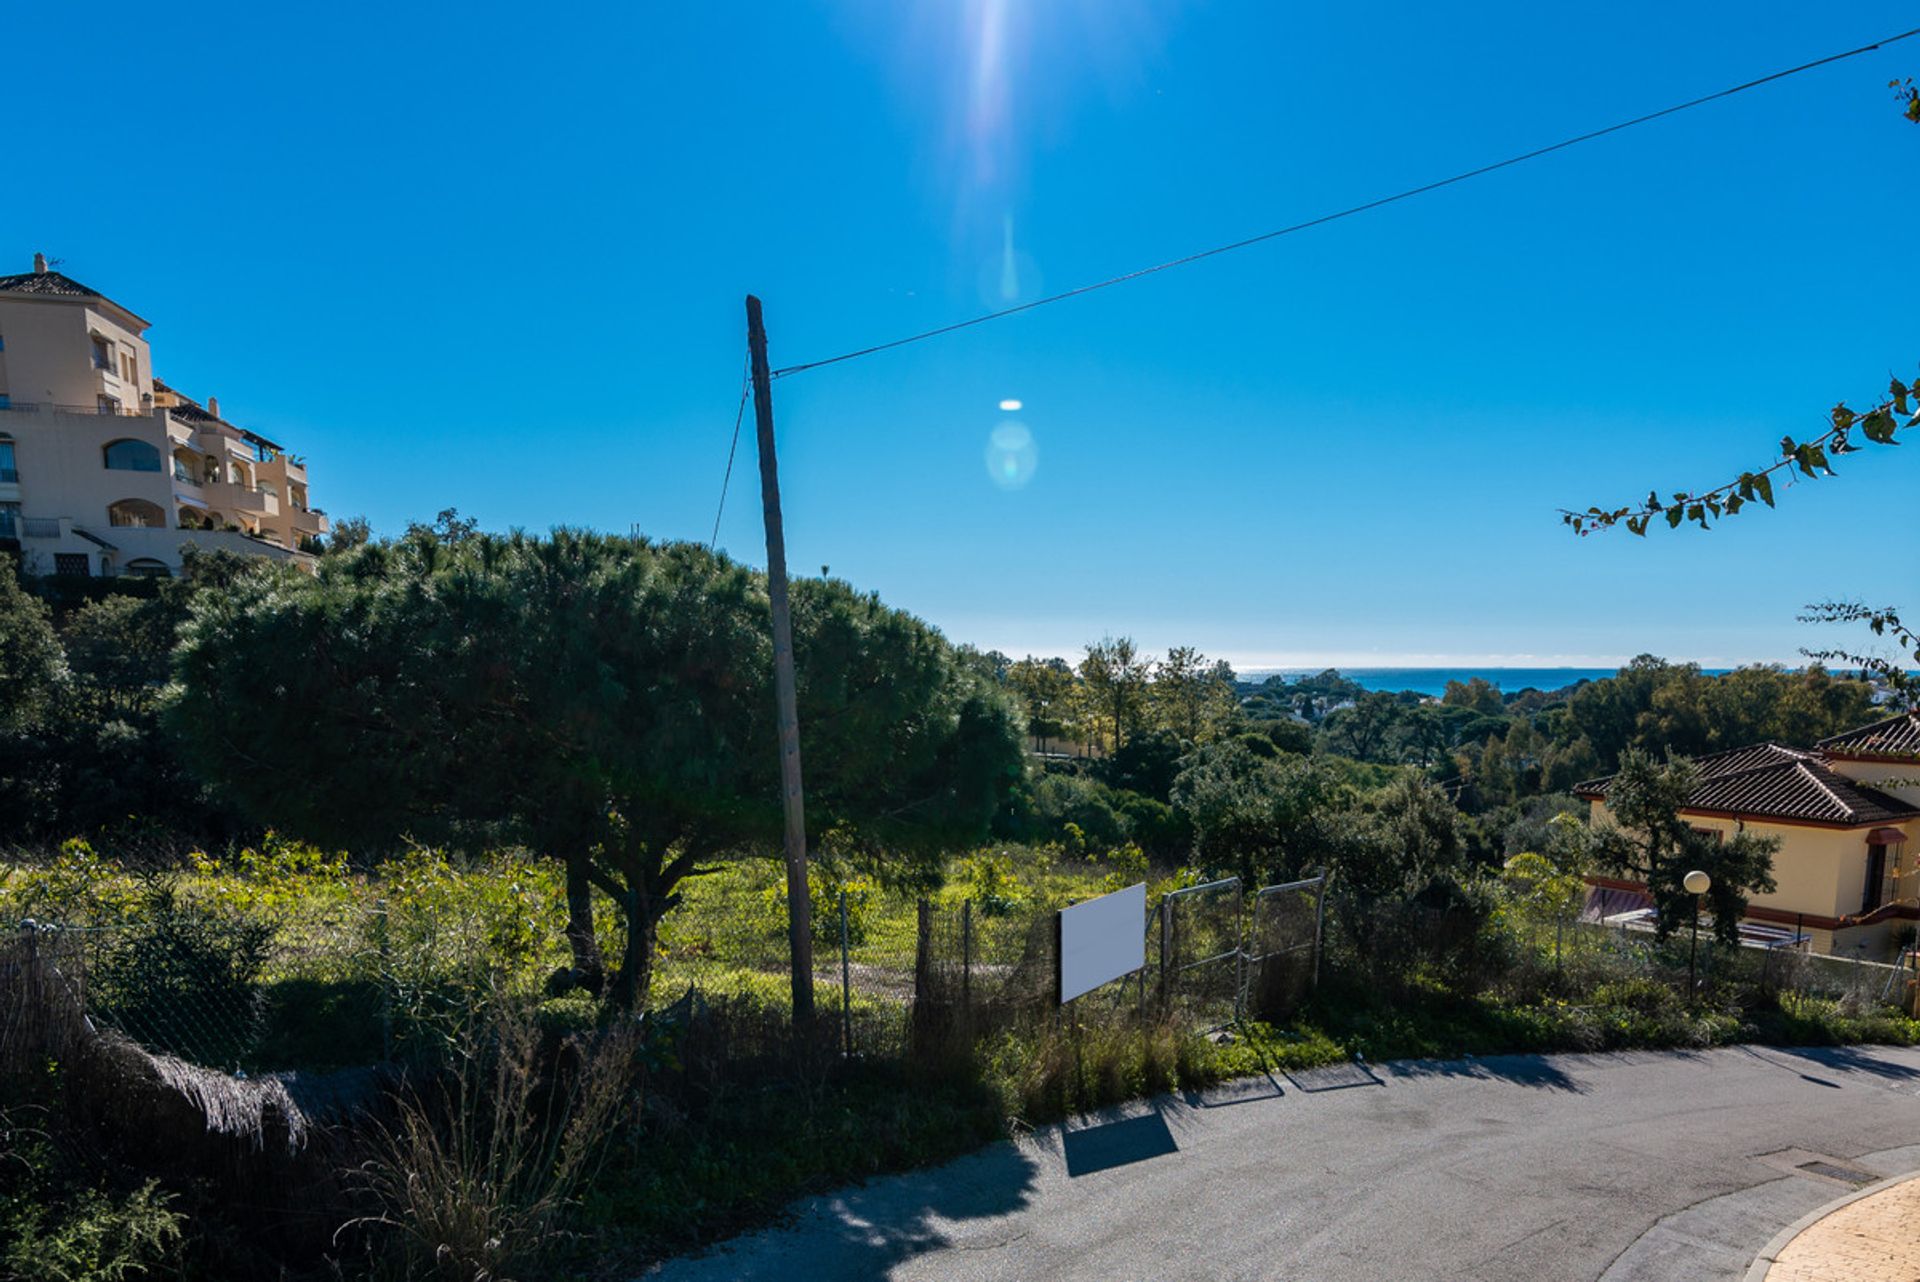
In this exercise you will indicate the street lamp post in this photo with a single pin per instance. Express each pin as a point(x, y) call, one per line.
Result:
point(1697, 884)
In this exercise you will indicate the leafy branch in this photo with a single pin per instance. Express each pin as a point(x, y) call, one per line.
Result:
point(1884, 622)
point(1811, 459)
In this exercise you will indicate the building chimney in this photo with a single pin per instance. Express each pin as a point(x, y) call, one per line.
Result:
point(213, 406)
point(39, 264)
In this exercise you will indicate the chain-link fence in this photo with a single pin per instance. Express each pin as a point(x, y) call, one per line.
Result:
point(376, 971)
point(1283, 946)
point(1202, 959)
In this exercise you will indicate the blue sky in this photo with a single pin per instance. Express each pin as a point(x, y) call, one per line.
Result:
point(497, 262)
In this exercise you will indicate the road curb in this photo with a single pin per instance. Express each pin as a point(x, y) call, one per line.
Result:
point(1763, 1262)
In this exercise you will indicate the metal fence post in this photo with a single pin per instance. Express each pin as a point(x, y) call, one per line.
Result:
point(1319, 919)
point(846, 983)
point(966, 959)
point(1166, 951)
point(386, 979)
point(922, 974)
point(1240, 954)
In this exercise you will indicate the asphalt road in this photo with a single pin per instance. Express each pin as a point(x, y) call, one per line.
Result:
point(1524, 1167)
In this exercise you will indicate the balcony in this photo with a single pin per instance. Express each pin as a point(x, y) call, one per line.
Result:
point(260, 502)
point(40, 527)
point(49, 407)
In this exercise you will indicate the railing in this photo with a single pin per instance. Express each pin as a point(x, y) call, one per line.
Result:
point(9, 476)
point(50, 407)
point(185, 477)
point(39, 527)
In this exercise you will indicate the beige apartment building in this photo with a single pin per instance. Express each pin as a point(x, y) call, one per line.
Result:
point(104, 469)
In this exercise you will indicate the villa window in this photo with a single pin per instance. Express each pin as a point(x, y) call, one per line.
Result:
point(102, 354)
point(131, 456)
point(129, 369)
point(72, 565)
point(136, 514)
point(9, 471)
point(9, 520)
point(147, 568)
point(105, 404)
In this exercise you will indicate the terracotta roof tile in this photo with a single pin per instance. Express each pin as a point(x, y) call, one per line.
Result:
point(52, 283)
point(1895, 737)
point(1772, 781)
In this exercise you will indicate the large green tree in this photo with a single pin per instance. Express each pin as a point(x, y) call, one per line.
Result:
point(1262, 817)
point(1651, 842)
point(1115, 675)
point(31, 663)
point(606, 701)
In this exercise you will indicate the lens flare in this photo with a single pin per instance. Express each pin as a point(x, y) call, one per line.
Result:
point(1010, 405)
point(1011, 457)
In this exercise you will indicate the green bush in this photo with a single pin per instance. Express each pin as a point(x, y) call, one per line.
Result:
point(184, 977)
point(56, 1225)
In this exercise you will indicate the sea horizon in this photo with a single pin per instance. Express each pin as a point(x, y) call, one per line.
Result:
point(1433, 681)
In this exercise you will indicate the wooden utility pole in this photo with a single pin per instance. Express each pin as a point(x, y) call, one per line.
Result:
point(799, 907)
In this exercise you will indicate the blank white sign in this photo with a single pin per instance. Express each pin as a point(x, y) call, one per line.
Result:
point(1102, 939)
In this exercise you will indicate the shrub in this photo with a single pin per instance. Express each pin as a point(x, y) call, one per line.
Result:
point(57, 1227)
point(93, 1236)
point(183, 977)
point(477, 1181)
point(991, 884)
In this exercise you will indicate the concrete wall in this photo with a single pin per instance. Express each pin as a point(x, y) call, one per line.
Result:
point(49, 353)
point(1896, 778)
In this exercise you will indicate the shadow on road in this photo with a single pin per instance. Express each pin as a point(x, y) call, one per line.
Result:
point(1522, 1070)
point(1105, 1145)
point(864, 1233)
point(1847, 1059)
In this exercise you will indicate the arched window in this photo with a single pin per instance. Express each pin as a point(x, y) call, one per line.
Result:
point(147, 568)
point(136, 512)
point(131, 456)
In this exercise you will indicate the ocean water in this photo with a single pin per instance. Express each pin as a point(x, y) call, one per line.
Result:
point(1433, 681)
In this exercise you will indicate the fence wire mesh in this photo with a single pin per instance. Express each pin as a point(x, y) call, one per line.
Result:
point(1202, 954)
point(1283, 947)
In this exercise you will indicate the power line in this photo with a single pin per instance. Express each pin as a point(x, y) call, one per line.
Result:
point(1349, 211)
point(746, 373)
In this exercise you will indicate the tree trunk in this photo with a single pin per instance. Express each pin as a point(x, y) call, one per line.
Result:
point(636, 963)
point(587, 962)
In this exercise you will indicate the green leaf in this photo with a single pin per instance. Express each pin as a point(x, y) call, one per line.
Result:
point(1842, 417)
point(1879, 426)
point(1763, 486)
point(1675, 515)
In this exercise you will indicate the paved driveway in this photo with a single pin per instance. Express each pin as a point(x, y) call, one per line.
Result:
point(1524, 1167)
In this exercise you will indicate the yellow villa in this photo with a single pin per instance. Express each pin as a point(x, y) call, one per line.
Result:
point(1846, 817)
point(104, 469)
